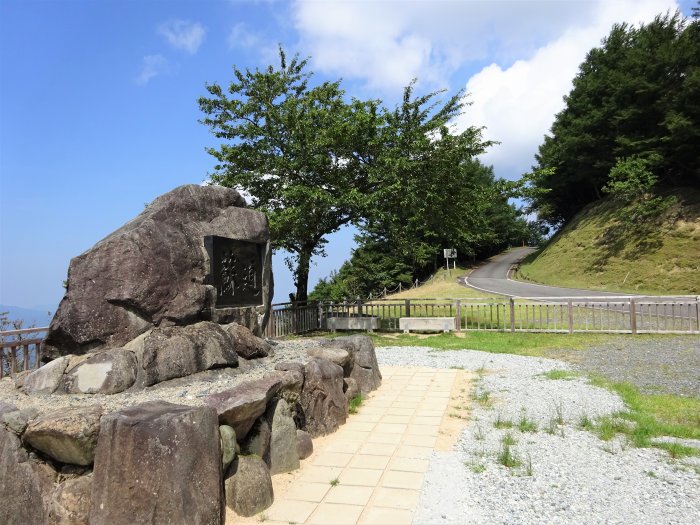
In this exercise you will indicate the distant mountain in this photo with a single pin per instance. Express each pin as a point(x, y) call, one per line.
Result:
point(37, 316)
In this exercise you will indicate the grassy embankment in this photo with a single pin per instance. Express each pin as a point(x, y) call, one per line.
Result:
point(597, 251)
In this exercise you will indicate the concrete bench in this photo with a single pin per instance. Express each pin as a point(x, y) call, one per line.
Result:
point(439, 324)
point(369, 324)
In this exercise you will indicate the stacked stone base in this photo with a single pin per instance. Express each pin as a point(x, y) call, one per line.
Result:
point(160, 462)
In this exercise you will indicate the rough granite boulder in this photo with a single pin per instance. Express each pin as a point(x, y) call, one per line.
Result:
point(322, 399)
point(69, 436)
point(70, 502)
point(45, 380)
point(153, 272)
point(249, 489)
point(108, 372)
point(25, 484)
point(241, 405)
point(305, 446)
point(335, 355)
point(257, 442)
point(247, 345)
point(229, 445)
point(362, 365)
point(177, 351)
point(282, 454)
point(158, 463)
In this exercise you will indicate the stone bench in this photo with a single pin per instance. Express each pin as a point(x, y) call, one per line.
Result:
point(369, 324)
point(439, 324)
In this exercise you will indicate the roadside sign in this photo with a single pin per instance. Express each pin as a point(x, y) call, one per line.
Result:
point(450, 253)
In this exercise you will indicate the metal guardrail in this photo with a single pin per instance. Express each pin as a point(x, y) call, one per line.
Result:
point(18, 352)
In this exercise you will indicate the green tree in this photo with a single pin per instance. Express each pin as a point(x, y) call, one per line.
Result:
point(638, 95)
point(426, 193)
point(300, 151)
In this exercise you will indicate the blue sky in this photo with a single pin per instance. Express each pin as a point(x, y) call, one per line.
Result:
point(98, 99)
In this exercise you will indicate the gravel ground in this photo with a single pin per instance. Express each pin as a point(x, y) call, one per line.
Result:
point(654, 364)
point(568, 476)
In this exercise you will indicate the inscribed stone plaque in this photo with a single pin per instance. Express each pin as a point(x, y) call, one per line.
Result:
point(235, 270)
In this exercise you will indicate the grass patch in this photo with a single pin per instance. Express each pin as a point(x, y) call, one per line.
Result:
point(502, 423)
point(654, 415)
point(334, 482)
point(354, 403)
point(595, 251)
point(677, 450)
point(519, 343)
point(526, 425)
point(483, 397)
point(507, 455)
point(476, 467)
point(560, 374)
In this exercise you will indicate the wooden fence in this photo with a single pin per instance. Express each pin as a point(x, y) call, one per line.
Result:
point(624, 314)
point(20, 350)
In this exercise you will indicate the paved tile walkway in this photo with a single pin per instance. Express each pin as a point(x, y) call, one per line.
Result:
point(371, 470)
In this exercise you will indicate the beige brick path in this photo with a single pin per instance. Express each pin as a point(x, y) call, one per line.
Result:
point(371, 470)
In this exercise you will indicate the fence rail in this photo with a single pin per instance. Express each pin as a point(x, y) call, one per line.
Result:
point(624, 314)
point(19, 352)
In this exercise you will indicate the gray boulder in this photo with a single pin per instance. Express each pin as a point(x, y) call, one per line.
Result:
point(322, 397)
point(108, 372)
point(283, 456)
point(257, 442)
point(45, 380)
point(153, 272)
point(362, 366)
point(305, 446)
point(158, 463)
point(247, 345)
point(249, 489)
point(70, 502)
point(350, 387)
point(178, 351)
point(241, 405)
point(17, 420)
point(25, 484)
point(69, 436)
point(229, 445)
point(335, 355)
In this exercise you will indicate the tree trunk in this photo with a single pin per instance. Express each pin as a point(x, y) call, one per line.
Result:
point(302, 274)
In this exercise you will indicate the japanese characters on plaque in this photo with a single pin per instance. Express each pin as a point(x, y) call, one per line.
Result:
point(235, 270)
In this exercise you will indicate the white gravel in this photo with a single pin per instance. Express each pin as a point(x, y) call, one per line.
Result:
point(569, 476)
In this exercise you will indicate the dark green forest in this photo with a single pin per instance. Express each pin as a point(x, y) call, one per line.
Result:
point(631, 124)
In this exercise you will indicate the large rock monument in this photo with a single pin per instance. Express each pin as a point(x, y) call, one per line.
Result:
point(194, 254)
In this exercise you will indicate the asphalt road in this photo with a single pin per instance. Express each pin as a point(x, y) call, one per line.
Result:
point(492, 277)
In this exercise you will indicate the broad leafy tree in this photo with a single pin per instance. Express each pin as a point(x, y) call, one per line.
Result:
point(299, 150)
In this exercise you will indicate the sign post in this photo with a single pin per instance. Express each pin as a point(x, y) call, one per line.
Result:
point(449, 253)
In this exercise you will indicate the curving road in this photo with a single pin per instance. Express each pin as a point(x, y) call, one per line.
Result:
point(493, 276)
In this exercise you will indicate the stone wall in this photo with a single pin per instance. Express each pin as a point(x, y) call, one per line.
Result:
point(159, 462)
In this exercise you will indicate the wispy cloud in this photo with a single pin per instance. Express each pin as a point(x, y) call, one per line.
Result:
point(242, 37)
point(151, 66)
point(183, 34)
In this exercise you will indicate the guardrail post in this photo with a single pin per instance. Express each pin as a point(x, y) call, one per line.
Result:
point(359, 306)
point(570, 308)
point(633, 316)
point(320, 316)
point(512, 314)
point(407, 303)
point(458, 316)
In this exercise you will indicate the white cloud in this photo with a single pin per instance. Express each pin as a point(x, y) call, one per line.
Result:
point(242, 37)
point(151, 66)
point(183, 34)
point(387, 43)
point(517, 104)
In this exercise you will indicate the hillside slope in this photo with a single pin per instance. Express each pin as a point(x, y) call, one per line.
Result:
point(597, 250)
